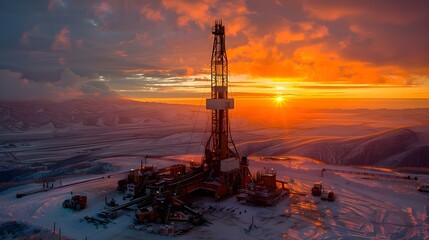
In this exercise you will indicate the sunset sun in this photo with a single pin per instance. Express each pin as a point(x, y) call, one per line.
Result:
point(279, 101)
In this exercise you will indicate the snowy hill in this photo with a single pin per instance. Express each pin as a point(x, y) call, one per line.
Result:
point(392, 148)
point(91, 112)
point(38, 131)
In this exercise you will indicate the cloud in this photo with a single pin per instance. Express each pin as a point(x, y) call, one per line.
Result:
point(143, 39)
point(321, 64)
point(97, 88)
point(236, 24)
point(386, 11)
point(14, 87)
point(259, 57)
point(302, 31)
point(188, 10)
point(25, 37)
point(341, 48)
point(327, 42)
point(236, 14)
point(102, 9)
point(121, 53)
point(151, 14)
point(62, 40)
point(202, 13)
point(307, 31)
point(380, 32)
point(55, 4)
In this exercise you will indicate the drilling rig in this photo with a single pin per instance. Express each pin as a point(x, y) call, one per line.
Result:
point(222, 172)
point(223, 163)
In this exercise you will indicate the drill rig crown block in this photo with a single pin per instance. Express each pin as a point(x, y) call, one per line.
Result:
point(218, 28)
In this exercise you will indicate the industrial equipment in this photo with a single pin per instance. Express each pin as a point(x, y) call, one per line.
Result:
point(263, 190)
point(327, 195)
point(317, 189)
point(111, 202)
point(226, 171)
point(222, 171)
point(165, 209)
point(77, 202)
point(136, 180)
point(146, 215)
point(160, 194)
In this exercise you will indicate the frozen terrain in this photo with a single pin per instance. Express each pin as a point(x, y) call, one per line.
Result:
point(365, 208)
point(83, 139)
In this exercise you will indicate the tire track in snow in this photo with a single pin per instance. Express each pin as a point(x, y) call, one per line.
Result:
point(370, 217)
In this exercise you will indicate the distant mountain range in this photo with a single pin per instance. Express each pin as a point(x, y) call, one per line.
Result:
point(90, 112)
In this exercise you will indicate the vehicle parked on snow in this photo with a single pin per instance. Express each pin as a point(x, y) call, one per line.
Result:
point(423, 188)
point(327, 195)
point(317, 189)
point(77, 202)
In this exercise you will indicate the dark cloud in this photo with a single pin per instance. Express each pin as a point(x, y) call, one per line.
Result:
point(384, 32)
point(14, 87)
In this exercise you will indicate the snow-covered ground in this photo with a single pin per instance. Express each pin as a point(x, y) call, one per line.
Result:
point(84, 140)
point(364, 208)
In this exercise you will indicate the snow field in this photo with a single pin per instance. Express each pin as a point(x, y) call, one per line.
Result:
point(364, 208)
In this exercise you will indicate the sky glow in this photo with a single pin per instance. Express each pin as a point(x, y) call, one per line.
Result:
point(161, 49)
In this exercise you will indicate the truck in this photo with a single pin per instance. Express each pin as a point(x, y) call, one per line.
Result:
point(327, 195)
point(423, 188)
point(77, 202)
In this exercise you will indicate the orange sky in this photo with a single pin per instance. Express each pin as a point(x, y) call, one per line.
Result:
point(315, 55)
point(160, 50)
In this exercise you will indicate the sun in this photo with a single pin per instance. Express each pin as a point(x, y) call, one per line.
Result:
point(279, 101)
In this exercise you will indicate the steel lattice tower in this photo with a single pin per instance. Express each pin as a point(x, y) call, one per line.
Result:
point(217, 148)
